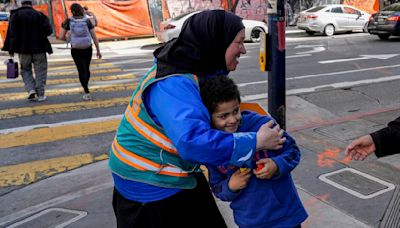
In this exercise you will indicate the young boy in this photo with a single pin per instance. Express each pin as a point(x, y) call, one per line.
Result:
point(262, 197)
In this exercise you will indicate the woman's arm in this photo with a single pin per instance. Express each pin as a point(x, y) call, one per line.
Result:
point(96, 43)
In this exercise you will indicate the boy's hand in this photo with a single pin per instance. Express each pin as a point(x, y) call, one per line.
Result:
point(239, 180)
point(269, 169)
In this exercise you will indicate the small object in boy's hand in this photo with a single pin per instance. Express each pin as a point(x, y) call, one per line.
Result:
point(259, 167)
point(243, 169)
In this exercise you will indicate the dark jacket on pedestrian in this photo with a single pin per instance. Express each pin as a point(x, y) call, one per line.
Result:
point(387, 140)
point(27, 32)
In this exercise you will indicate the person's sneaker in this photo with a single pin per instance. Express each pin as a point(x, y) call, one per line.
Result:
point(87, 97)
point(41, 98)
point(32, 95)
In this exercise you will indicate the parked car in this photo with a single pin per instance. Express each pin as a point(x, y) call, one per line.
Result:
point(171, 28)
point(386, 22)
point(329, 19)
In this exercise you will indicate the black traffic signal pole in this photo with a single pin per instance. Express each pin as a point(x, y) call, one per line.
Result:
point(277, 74)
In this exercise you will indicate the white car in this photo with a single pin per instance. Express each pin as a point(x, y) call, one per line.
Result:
point(329, 19)
point(171, 28)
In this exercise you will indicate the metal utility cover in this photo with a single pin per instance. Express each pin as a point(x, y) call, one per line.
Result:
point(57, 217)
point(357, 183)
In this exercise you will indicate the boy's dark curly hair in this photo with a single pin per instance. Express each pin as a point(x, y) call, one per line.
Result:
point(218, 89)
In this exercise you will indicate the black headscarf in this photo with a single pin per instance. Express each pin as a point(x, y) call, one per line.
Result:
point(201, 45)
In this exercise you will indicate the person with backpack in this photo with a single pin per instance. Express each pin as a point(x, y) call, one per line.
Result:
point(27, 35)
point(82, 33)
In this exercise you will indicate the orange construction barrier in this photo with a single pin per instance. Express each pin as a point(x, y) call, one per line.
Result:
point(253, 107)
point(369, 6)
point(116, 19)
point(3, 32)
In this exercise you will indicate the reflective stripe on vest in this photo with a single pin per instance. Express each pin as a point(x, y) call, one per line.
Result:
point(144, 164)
point(149, 132)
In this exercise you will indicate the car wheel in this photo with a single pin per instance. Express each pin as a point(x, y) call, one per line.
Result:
point(310, 33)
point(383, 36)
point(255, 34)
point(329, 30)
point(365, 29)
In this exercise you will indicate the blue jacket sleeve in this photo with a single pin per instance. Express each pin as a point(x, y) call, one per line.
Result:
point(176, 105)
point(288, 157)
point(219, 185)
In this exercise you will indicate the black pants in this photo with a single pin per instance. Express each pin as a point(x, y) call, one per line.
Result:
point(82, 58)
point(195, 205)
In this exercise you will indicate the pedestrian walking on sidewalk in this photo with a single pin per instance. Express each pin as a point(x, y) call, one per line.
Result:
point(262, 197)
point(383, 142)
point(81, 35)
point(165, 133)
point(27, 36)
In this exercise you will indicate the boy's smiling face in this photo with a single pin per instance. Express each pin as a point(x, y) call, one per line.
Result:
point(226, 116)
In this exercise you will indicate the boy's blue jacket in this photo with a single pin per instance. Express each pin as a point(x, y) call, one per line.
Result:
point(263, 203)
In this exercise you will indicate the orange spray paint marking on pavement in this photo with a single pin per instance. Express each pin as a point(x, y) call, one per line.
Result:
point(329, 157)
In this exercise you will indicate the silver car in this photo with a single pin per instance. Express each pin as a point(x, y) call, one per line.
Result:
point(171, 28)
point(329, 19)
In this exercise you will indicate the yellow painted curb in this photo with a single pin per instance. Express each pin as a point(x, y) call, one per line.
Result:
point(30, 172)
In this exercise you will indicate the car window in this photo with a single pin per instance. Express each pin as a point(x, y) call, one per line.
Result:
point(350, 10)
point(337, 10)
point(316, 9)
point(394, 7)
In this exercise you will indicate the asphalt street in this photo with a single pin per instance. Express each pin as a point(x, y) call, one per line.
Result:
point(54, 154)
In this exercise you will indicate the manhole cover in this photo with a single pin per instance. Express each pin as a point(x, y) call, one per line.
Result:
point(357, 183)
point(52, 217)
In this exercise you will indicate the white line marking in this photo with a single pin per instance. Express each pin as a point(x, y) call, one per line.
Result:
point(323, 74)
point(80, 214)
point(31, 127)
point(315, 88)
point(53, 202)
point(389, 186)
point(297, 56)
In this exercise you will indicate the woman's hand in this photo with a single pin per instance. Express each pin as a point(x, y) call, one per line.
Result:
point(98, 54)
point(239, 180)
point(269, 137)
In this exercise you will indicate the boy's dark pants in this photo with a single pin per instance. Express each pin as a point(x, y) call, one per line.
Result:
point(195, 205)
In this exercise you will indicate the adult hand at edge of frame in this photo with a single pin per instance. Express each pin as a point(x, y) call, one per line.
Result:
point(360, 148)
point(269, 137)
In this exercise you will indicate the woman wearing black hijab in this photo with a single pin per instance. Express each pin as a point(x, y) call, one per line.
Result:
point(165, 132)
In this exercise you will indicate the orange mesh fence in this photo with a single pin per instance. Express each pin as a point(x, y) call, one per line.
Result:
point(3, 32)
point(44, 8)
point(370, 6)
point(115, 19)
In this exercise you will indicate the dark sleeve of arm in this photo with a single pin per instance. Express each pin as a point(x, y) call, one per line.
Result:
point(90, 25)
point(65, 24)
point(387, 140)
point(47, 30)
point(219, 185)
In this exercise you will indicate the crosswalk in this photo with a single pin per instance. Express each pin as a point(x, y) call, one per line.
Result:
point(41, 139)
